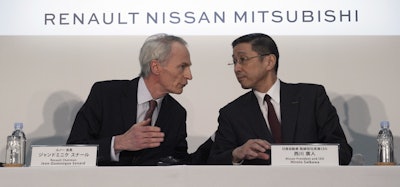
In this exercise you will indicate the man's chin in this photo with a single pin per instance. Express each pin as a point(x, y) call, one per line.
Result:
point(245, 87)
point(243, 83)
point(178, 91)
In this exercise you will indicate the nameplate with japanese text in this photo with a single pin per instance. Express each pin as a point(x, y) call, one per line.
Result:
point(305, 154)
point(71, 156)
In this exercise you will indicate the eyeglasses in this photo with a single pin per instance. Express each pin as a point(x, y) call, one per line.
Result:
point(243, 60)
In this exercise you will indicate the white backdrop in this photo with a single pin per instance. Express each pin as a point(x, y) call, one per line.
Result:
point(45, 79)
point(49, 59)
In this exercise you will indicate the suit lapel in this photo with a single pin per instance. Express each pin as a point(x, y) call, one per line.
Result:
point(256, 118)
point(129, 103)
point(164, 112)
point(289, 112)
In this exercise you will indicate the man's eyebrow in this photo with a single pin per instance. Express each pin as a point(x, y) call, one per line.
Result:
point(241, 52)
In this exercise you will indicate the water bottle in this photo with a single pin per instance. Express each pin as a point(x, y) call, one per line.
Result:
point(385, 145)
point(16, 147)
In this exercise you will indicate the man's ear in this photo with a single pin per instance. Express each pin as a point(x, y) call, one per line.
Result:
point(155, 67)
point(271, 61)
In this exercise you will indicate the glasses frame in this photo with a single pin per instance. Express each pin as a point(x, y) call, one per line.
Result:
point(244, 60)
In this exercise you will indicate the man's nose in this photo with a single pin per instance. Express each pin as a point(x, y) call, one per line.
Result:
point(188, 74)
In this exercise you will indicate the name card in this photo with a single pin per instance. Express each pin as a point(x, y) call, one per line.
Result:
point(305, 154)
point(75, 155)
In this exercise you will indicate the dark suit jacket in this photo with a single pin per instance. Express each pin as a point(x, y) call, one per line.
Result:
point(111, 110)
point(200, 156)
point(307, 116)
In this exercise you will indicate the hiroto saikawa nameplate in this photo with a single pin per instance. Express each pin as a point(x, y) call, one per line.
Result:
point(305, 154)
point(74, 155)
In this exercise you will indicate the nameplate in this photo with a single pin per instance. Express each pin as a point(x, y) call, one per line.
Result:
point(305, 154)
point(75, 155)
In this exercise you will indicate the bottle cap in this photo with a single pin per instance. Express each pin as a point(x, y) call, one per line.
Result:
point(384, 124)
point(18, 125)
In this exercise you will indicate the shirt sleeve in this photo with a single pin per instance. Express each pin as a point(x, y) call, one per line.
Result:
point(114, 157)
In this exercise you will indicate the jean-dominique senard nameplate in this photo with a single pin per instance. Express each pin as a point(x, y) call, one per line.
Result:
point(71, 155)
point(305, 154)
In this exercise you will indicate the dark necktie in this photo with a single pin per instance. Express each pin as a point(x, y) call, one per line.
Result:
point(149, 113)
point(273, 121)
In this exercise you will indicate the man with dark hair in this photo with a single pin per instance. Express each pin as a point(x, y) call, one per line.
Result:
point(273, 111)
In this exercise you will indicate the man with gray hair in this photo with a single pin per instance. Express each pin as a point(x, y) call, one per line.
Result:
point(137, 122)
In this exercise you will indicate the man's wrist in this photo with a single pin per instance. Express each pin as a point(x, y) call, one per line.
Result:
point(235, 159)
point(117, 147)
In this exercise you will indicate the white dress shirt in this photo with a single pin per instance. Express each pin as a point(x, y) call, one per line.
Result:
point(274, 93)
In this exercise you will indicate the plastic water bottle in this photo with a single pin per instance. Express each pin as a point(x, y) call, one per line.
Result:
point(16, 147)
point(385, 144)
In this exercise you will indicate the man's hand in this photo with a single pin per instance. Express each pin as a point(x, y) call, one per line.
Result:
point(252, 149)
point(140, 136)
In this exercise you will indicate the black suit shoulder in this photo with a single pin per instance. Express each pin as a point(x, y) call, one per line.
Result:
point(239, 102)
point(112, 86)
point(110, 83)
point(301, 86)
point(304, 90)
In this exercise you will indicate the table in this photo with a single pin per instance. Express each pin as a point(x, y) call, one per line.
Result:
point(202, 176)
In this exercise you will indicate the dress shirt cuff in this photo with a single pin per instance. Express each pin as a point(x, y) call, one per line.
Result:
point(114, 157)
point(237, 163)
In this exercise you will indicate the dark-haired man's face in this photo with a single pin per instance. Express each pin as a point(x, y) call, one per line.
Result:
point(251, 69)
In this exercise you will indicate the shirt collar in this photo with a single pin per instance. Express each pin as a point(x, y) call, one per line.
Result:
point(273, 92)
point(144, 94)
